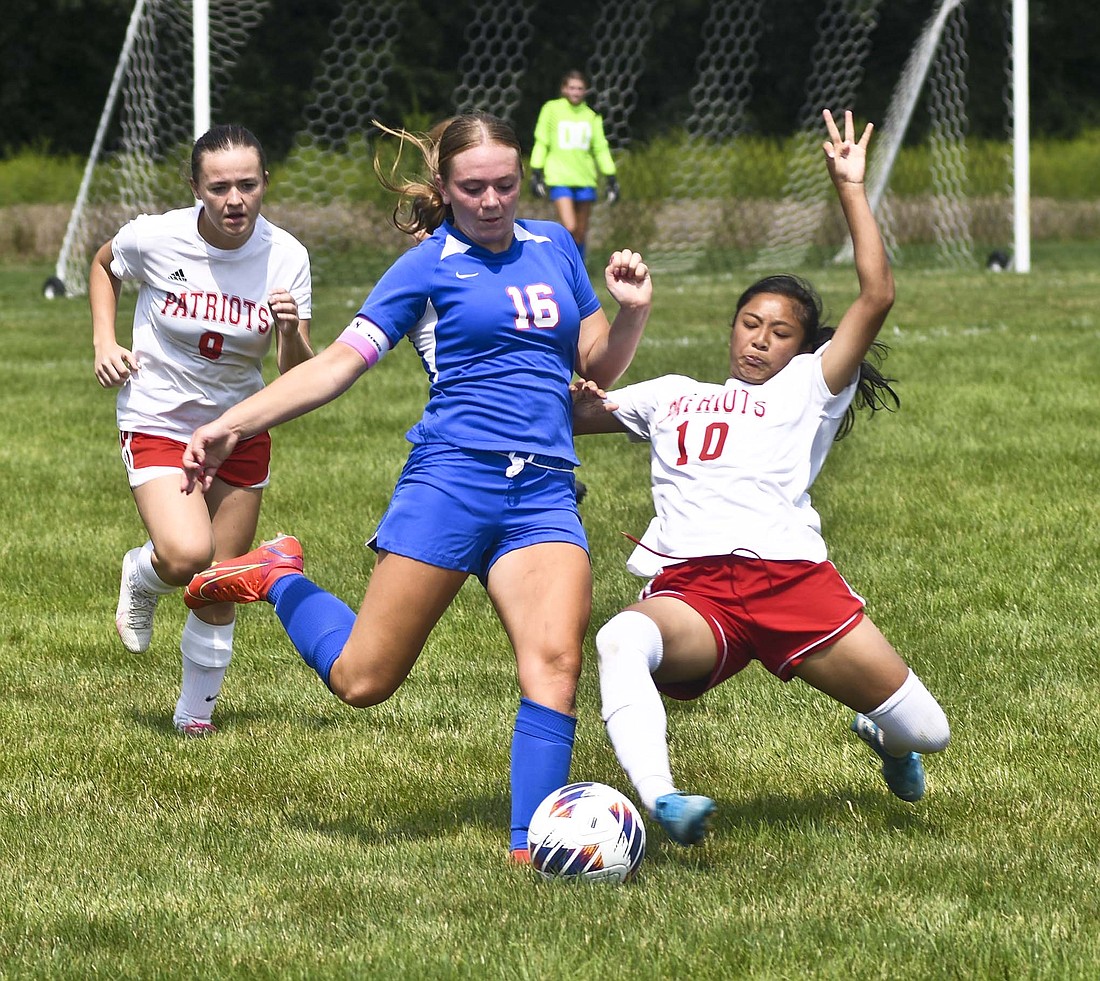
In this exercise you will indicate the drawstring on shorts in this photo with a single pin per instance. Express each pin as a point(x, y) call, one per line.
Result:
point(519, 462)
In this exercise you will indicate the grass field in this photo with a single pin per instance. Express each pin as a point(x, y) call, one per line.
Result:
point(308, 839)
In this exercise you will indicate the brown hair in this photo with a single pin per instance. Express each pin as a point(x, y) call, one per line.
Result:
point(420, 197)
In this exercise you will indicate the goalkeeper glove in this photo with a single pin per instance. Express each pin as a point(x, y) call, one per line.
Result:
point(538, 184)
point(612, 189)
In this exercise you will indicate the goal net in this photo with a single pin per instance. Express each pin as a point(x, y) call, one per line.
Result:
point(730, 183)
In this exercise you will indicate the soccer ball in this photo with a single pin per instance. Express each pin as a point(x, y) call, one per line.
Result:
point(586, 831)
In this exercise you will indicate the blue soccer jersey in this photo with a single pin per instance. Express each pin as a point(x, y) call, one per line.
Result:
point(497, 334)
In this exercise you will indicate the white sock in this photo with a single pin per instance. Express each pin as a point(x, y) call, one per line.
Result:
point(147, 575)
point(207, 649)
point(630, 650)
point(911, 720)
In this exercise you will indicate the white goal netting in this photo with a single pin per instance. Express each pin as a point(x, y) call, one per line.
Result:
point(325, 191)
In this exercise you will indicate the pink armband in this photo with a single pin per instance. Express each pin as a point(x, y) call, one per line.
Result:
point(367, 338)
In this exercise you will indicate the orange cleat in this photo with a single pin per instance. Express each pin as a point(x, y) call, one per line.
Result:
point(247, 578)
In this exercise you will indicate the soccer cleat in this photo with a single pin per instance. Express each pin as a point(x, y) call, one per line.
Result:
point(686, 818)
point(904, 775)
point(247, 578)
point(195, 729)
point(136, 605)
point(519, 856)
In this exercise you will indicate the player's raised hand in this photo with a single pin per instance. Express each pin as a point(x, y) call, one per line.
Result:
point(628, 280)
point(846, 157)
point(208, 449)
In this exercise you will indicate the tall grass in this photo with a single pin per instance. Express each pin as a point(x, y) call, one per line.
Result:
point(311, 840)
point(1063, 170)
point(37, 177)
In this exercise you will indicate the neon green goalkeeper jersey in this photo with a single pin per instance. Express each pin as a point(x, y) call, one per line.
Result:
point(570, 145)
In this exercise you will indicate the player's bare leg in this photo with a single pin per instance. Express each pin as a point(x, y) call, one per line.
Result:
point(567, 214)
point(403, 602)
point(896, 716)
point(187, 533)
point(582, 214)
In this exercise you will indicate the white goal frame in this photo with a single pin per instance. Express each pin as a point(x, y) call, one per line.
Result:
point(611, 62)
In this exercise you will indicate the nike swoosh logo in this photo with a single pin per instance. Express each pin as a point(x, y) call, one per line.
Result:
point(211, 698)
point(465, 275)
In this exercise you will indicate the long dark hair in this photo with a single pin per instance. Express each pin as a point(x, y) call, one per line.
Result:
point(873, 391)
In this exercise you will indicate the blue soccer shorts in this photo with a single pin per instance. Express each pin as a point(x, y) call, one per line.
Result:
point(576, 193)
point(463, 509)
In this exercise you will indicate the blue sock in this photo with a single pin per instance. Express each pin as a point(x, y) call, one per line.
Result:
point(542, 749)
point(317, 623)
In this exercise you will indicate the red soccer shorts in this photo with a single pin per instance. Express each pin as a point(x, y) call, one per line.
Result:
point(778, 613)
point(148, 457)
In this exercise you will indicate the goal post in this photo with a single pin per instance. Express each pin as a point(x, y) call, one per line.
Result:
point(933, 56)
point(178, 62)
point(1021, 139)
point(200, 73)
point(149, 117)
point(56, 285)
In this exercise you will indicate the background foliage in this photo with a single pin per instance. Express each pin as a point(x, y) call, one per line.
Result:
point(57, 58)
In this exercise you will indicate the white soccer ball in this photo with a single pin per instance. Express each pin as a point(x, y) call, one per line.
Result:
point(586, 831)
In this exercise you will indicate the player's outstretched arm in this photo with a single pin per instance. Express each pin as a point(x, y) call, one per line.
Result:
point(846, 161)
point(305, 387)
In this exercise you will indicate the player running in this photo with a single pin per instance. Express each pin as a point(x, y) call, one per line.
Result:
point(218, 281)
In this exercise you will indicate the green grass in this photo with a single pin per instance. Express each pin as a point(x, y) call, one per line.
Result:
point(308, 839)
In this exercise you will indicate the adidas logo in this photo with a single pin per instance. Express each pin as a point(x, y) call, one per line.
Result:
point(178, 276)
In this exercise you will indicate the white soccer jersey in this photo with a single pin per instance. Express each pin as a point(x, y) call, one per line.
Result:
point(732, 464)
point(202, 324)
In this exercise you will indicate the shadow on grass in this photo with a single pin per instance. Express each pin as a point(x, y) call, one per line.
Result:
point(415, 823)
point(778, 815)
point(160, 722)
point(819, 811)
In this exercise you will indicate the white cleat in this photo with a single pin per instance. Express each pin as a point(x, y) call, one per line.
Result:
point(195, 728)
point(134, 616)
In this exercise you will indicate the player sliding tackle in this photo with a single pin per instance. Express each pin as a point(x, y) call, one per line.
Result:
point(739, 567)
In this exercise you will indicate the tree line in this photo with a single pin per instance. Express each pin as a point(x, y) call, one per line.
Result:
point(57, 58)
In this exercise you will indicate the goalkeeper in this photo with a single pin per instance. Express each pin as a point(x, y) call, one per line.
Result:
point(570, 153)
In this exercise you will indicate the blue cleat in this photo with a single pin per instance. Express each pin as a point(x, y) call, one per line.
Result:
point(685, 817)
point(904, 775)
